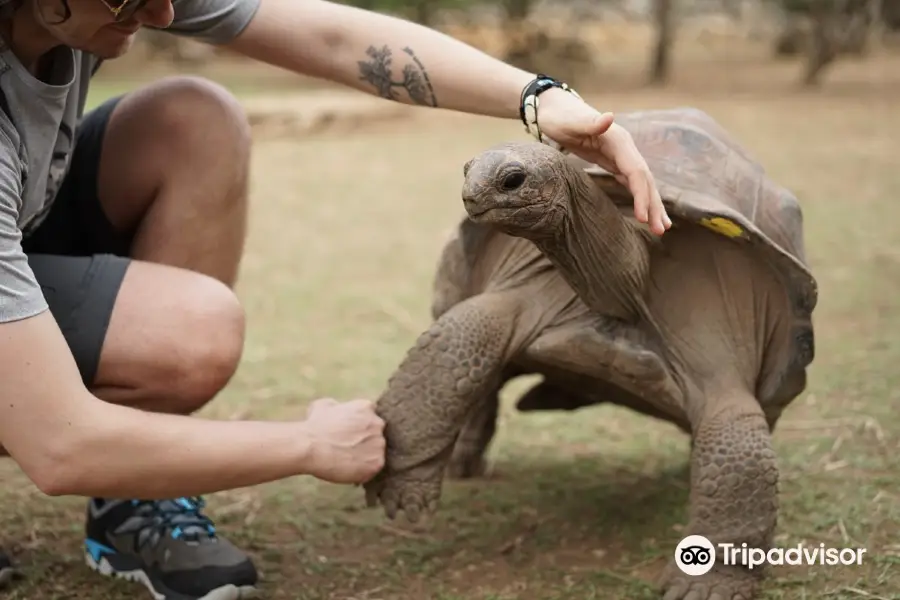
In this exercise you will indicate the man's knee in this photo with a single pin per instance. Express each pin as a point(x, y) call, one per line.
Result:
point(176, 135)
point(175, 339)
point(189, 109)
point(181, 126)
point(209, 351)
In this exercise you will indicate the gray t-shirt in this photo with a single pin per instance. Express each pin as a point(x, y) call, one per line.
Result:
point(37, 131)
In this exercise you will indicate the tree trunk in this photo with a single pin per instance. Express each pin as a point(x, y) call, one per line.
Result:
point(517, 10)
point(519, 52)
point(823, 47)
point(660, 68)
point(424, 12)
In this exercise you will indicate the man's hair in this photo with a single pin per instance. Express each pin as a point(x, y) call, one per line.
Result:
point(8, 7)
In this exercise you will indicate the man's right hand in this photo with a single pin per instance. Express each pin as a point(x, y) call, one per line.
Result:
point(348, 444)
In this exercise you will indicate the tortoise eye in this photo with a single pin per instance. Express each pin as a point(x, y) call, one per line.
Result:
point(513, 181)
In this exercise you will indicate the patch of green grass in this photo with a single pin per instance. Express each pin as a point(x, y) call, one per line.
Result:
point(344, 238)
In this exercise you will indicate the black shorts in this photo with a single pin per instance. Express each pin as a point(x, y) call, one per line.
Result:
point(77, 256)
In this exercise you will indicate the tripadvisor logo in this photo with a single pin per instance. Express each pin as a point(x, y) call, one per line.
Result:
point(695, 555)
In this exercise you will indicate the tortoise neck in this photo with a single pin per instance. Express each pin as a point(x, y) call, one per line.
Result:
point(604, 257)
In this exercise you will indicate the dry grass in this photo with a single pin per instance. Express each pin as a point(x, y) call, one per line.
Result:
point(345, 233)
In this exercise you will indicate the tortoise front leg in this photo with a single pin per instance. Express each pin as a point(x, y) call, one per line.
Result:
point(734, 497)
point(455, 364)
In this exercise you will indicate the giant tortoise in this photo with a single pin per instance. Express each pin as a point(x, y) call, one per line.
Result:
point(708, 326)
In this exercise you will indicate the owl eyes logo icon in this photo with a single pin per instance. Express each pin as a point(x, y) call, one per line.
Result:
point(695, 555)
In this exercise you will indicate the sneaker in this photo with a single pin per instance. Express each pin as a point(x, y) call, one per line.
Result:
point(169, 546)
point(7, 570)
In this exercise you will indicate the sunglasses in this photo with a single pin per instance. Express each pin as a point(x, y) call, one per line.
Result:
point(123, 9)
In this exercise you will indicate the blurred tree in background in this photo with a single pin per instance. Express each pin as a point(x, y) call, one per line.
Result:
point(824, 30)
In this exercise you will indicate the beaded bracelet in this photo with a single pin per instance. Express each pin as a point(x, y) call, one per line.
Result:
point(528, 105)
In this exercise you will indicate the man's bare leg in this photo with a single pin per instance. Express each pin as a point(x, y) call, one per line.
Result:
point(171, 177)
point(174, 170)
point(174, 173)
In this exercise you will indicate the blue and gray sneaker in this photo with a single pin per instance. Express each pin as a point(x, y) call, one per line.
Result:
point(7, 570)
point(169, 546)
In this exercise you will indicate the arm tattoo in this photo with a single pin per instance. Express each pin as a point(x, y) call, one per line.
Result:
point(377, 71)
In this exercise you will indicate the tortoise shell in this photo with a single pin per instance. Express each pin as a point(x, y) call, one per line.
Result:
point(704, 177)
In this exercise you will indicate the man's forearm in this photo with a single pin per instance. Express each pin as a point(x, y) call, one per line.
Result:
point(70, 442)
point(382, 55)
point(122, 452)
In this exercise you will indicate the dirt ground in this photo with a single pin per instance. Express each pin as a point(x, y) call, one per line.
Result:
point(347, 225)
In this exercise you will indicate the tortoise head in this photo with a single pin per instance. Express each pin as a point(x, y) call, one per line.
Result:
point(522, 188)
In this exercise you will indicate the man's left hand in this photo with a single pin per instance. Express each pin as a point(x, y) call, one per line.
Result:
point(595, 137)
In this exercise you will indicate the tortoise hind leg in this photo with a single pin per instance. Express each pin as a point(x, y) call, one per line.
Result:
point(468, 460)
point(734, 498)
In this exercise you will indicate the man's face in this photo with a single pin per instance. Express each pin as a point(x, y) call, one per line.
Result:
point(92, 27)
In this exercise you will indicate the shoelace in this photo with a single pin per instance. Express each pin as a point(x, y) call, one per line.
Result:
point(181, 518)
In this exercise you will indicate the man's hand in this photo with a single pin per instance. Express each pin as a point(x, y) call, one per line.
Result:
point(595, 137)
point(348, 440)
